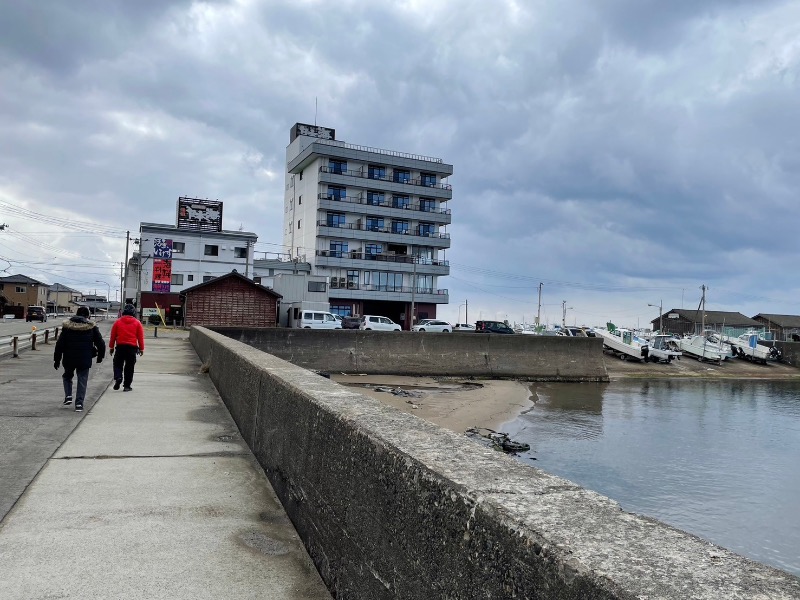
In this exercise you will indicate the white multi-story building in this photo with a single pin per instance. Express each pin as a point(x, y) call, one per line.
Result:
point(172, 258)
point(373, 221)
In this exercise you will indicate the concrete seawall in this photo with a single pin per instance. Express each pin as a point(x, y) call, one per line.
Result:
point(790, 351)
point(530, 357)
point(390, 506)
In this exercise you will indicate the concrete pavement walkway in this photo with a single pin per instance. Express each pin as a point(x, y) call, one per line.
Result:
point(154, 495)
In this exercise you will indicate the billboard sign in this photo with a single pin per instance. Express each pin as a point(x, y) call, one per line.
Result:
point(199, 215)
point(162, 274)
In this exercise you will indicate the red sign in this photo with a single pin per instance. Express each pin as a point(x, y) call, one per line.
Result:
point(162, 275)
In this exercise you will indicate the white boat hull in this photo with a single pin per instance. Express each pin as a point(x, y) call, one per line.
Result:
point(615, 344)
point(702, 349)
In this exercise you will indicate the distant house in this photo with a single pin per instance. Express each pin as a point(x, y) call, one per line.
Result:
point(680, 321)
point(230, 300)
point(21, 290)
point(783, 327)
point(62, 299)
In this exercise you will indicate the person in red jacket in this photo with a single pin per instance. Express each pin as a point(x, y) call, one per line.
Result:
point(127, 338)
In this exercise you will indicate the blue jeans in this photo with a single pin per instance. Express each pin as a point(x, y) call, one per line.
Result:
point(83, 378)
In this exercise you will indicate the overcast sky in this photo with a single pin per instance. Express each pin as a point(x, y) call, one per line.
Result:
point(621, 152)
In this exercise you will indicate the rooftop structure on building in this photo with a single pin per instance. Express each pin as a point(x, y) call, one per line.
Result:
point(373, 221)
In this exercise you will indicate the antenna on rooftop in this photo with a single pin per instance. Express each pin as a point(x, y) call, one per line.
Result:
point(315, 111)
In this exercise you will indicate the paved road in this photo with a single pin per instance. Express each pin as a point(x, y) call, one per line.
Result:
point(33, 421)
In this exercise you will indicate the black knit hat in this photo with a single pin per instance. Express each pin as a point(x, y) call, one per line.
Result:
point(129, 310)
point(83, 311)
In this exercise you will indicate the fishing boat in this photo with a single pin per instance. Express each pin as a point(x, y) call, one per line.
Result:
point(746, 346)
point(663, 348)
point(702, 348)
point(623, 343)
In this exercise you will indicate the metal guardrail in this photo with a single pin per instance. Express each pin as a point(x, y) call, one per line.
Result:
point(12, 344)
point(418, 181)
point(386, 203)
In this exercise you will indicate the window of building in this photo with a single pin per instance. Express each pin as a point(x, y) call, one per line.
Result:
point(298, 223)
point(372, 249)
point(375, 198)
point(240, 252)
point(337, 166)
point(427, 229)
point(337, 248)
point(428, 179)
point(178, 247)
point(400, 201)
point(177, 279)
point(257, 280)
point(383, 281)
point(190, 277)
point(352, 279)
point(207, 278)
point(402, 175)
point(336, 192)
point(335, 219)
point(343, 310)
point(399, 226)
point(375, 223)
point(299, 200)
point(301, 175)
point(317, 286)
point(376, 172)
point(19, 290)
point(425, 284)
point(211, 250)
point(427, 204)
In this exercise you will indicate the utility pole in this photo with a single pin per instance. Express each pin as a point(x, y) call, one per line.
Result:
point(466, 311)
point(413, 287)
point(563, 313)
point(122, 278)
point(539, 311)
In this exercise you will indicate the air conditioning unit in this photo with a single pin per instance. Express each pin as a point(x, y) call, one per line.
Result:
point(334, 282)
point(351, 285)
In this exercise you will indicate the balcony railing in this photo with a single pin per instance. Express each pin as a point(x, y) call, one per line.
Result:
point(364, 174)
point(363, 227)
point(395, 258)
point(386, 203)
point(399, 289)
point(341, 144)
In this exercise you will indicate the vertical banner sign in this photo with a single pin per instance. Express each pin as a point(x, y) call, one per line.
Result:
point(162, 264)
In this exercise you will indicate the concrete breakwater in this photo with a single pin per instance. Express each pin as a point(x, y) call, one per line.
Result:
point(528, 357)
point(390, 506)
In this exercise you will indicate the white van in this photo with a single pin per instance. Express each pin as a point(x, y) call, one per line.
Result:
point(316, 319)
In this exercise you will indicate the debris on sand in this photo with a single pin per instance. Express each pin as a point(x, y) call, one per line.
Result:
point(497, 440)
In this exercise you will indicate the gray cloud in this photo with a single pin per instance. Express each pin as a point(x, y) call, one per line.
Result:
point(622, 153)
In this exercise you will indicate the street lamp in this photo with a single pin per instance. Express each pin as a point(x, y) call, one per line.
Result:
point(660, 307)
point(466, 312)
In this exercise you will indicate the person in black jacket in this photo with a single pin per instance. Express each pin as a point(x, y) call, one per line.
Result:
point(79, 342)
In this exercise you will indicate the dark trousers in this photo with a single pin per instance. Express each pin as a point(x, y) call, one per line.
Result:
point(124, 361)
point(83, 379)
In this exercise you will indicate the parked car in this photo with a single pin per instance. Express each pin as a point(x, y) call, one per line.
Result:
point(463, 327)
point(433, 325)
point(373, 322)
point(312, 319)
point(351, 322)
point(36, 313)
point(492, 327)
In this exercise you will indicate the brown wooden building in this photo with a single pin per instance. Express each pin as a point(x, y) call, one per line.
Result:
point(783, 327)
point(680, 321)
point(230, 300)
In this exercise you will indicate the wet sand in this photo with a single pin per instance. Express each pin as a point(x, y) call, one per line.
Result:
point(455, 404)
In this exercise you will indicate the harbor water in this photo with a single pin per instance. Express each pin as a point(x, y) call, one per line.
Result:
point(719, 459)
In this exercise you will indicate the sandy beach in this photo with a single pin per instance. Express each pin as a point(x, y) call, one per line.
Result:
point(455, 404)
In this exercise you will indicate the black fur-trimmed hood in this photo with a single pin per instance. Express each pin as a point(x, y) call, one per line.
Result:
point(79, 324)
